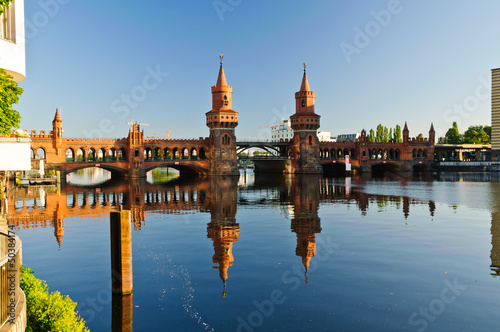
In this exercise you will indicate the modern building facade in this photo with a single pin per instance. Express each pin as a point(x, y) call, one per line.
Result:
point(495, 113)
point(12, 41)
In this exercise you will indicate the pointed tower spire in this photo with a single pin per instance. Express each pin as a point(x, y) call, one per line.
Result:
point(406, 133)
point(57, 117)
point(305, 83)
point(221, 79)
point(432, 127)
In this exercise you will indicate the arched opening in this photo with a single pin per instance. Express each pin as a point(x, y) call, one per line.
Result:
point(203, 154)
point(333, 154)
point(70, 155)
point(310, 140)
point(226, 139)
point(148, 154)
point(32, 154)
point(414, 152)
point(91, 154)
point(352, 153)
point(80, 154)
point(101, 154)
point(112, 154)
point(420, 153)
point(167, 154)
point(326, 153)
point(194, 154)
point(162, 175)
point(339, 154)
point(176, 153)
point(321, 153)
point(40, 153)
point(122, 154)
point(137, 152)
point(157, 154)
point(185, 153)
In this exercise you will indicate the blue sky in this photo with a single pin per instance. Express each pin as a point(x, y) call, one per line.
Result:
point(369, 62)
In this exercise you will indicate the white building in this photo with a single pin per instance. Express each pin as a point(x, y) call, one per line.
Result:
point(283, 131)
point(348, 137)
point(12, 42)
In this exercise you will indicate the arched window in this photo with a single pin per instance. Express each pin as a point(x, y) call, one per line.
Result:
point(80, 155)
point(70, 155)
point(40, 153)
point(310, 140)
point(226, 139)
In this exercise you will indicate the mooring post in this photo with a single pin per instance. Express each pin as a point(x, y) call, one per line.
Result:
point(121, 252)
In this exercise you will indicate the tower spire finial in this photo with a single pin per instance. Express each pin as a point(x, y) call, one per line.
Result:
point(221, 56)
point(305, 65)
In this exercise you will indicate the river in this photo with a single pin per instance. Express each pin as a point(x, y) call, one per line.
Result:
point(274, 253)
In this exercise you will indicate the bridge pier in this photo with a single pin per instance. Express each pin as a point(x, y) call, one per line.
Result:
point(136, 172)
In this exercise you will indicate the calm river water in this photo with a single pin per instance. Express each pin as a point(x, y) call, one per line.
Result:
point(275, 253)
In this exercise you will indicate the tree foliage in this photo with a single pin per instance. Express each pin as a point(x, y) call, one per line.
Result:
point(384, 134)
point(453, 135)
point(4, 3)
point(9, 95)
point(371, 136)
point(478, 135)
point(48, 312)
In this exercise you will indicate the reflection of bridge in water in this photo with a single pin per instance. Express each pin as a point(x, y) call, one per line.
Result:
point(298, 198)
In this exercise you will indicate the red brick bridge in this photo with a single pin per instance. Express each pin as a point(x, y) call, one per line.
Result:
point(135, 155)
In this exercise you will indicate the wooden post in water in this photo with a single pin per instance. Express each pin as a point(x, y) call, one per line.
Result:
point(121, 252)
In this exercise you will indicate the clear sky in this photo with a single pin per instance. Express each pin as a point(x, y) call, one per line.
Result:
point(369, 62)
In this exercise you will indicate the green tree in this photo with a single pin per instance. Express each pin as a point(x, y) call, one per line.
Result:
point(379, 136)
point(487, 129)
point(4, 3)
point(453, 135)
point(477, 135)
point(397, 134)
point(371, 136)
point(385, 135)
point(420, 135)
point(9, 95)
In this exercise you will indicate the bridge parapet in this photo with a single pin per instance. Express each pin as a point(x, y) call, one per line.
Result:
point(201, 141)
point(97, 140)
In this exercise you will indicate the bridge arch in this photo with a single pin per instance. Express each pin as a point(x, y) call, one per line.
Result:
point(385, 167)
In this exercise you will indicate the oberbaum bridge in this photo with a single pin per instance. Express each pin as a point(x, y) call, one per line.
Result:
point(134, 156)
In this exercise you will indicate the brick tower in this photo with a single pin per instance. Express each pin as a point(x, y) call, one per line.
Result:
point(136, 150)
point(222, 120)
point(305, 123)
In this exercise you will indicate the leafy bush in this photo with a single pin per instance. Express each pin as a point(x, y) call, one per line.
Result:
point(48, 312)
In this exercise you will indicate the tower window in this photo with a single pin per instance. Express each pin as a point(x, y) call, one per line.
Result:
point(303, 103)
point(310, 140)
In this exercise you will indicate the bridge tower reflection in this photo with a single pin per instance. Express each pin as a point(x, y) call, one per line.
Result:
point(223, 229)
point(304, 195)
